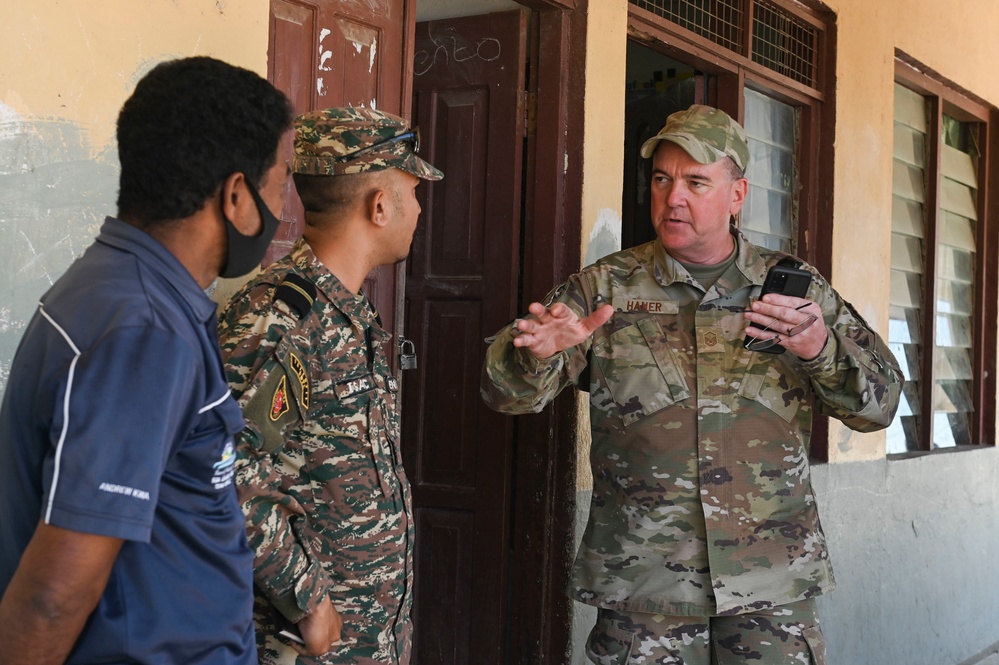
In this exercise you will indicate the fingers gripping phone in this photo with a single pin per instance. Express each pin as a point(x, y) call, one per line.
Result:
point(787, 279)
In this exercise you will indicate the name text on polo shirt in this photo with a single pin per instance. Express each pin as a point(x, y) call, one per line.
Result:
point(124, 490)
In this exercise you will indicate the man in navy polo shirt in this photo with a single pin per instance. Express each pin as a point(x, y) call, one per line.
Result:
point(121, 540)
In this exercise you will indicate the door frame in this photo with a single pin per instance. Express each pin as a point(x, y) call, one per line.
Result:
point(544, 462)
point(546, 443)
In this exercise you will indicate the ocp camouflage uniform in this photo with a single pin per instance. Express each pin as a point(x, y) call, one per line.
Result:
point(702, 503)
point(319, 470)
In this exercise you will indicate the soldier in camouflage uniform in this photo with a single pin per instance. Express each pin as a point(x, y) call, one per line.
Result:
point(703, 543)
point(319, 469)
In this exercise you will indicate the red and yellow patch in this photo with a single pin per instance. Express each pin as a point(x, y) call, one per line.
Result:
point(279, 401)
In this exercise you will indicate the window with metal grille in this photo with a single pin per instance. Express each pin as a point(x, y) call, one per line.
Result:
point(784, 43)
point(717, 20)
point(781, 41)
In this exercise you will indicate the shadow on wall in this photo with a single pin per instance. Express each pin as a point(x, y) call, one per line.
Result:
point(55, 191)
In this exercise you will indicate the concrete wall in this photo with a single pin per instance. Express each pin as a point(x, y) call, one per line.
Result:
point(65, 69)
point(911, 540)
point(913, 547)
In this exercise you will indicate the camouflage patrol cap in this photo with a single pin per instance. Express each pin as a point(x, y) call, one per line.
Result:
point(707, 134)
point(344, 140)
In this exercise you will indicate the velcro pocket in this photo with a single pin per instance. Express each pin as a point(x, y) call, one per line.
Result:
point(641, 370)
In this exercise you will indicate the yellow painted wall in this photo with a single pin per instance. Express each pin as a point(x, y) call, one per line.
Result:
point(603, 155)
point(66, 67)
point(79, 60)
point(957, 40)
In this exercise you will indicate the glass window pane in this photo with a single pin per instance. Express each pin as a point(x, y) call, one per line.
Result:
point(958, 198)
point(910, 108)
point(910, 145)
point(769, 118)
point(953, 297)
point(767, 212)
point(953, 356)
point(770, 211)
point(906, 253)
point(768, 241)
point(908, 262)
point(908, 181)
point(955, 265)
point(957, 231)
point(907, 217)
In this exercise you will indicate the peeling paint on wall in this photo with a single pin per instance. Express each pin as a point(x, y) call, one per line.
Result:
point(54, 195)
point(605, 238)
point(324, 54)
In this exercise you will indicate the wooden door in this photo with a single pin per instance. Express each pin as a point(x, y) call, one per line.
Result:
point(462, 286)
point(325, 53)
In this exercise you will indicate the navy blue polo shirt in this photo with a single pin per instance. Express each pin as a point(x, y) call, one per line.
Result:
point(117, 420)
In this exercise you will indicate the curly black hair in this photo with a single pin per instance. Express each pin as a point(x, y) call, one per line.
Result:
point(188, 125)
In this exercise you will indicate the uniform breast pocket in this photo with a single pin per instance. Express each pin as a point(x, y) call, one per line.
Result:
point(641, 370)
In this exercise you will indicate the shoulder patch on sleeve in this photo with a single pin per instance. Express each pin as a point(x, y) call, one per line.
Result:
point(273, 408)
point(298, 292)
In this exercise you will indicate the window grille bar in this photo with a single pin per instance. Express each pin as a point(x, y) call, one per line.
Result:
point(781, 42)
point(719, 21)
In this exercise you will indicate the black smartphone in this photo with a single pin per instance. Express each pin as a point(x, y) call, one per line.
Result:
point(786, 280)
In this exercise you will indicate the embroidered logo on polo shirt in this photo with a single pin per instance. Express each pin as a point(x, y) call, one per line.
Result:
point(303, 379)
point(279, 401)
point(224, 467)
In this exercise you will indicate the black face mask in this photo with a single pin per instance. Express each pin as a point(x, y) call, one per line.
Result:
point(246, 252)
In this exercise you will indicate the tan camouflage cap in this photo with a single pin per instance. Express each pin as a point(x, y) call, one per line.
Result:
point(346, 140)
point(707, 134)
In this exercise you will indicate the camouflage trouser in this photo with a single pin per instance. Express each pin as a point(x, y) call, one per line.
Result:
point(785, 635)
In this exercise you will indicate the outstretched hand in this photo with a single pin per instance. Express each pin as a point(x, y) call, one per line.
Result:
point(556, 328)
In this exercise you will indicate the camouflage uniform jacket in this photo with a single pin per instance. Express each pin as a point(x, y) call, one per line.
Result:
point(702, 502)
point(319, 470)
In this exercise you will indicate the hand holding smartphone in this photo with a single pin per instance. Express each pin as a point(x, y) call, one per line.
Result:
point(784, 279)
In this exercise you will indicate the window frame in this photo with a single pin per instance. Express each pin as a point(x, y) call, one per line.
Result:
point(942, 99)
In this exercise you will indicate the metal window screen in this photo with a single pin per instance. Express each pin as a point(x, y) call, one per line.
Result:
point(784, 43)
point(717, 20)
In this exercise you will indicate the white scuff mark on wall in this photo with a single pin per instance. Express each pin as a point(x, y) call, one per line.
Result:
point(605, 238)
point(324, 33)
point(320, 87)
point(27, 266)
point(11, 124)
point(371, 58)
point(84, 32)
point(373, 104)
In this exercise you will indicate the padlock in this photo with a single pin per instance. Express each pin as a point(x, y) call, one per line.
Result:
point(407, 354)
